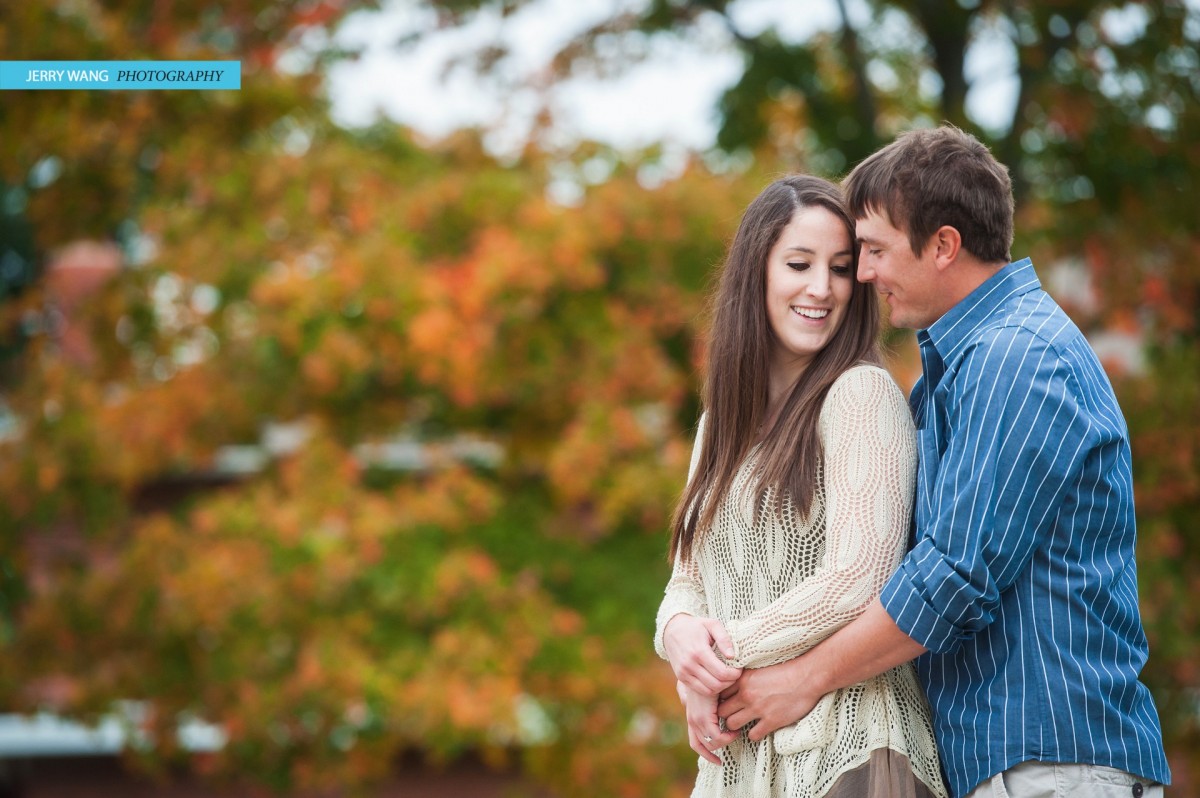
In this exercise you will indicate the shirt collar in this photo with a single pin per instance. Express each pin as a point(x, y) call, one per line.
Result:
point(951, 332)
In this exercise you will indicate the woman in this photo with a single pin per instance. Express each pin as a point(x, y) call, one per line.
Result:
point(796, 511)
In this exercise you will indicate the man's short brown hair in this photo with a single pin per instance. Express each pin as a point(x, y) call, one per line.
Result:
point(933, 177)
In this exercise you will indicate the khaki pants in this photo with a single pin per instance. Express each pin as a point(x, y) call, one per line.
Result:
point(1035, 779)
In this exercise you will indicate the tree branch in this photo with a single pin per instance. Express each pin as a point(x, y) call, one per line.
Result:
point(864, 98)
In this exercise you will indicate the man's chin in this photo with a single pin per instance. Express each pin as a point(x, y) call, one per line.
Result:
point(896, 317)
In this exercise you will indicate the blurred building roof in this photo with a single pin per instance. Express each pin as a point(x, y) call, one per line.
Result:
point(46, 734)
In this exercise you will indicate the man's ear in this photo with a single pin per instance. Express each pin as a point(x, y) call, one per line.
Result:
point(947, 244)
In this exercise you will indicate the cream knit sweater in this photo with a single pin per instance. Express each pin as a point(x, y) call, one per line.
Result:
point(782, 586)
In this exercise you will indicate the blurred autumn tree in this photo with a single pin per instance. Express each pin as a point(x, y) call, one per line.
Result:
point(447, 416)
point(483, 399)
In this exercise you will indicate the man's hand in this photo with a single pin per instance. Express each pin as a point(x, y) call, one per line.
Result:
point(704, 729)
point(689, 643)
point(774, 696)
point(781, 694)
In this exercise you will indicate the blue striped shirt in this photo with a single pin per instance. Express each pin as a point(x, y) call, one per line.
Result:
point(1021, 580)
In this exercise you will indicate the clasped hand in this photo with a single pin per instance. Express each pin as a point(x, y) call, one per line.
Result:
point(775, 696)
point(710, 690)
point(701, 675)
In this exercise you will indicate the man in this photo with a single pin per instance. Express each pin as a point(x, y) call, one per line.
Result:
point(1019, 595)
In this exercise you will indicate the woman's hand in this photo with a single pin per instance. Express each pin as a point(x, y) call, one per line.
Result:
point(704, 727)
point(689, 643)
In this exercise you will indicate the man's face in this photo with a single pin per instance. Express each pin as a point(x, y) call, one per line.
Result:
point(907, 282)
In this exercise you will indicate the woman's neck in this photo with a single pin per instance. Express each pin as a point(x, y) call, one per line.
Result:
point(783, 376)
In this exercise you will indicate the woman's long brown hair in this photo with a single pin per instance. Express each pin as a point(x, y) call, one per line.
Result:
point(735, 393)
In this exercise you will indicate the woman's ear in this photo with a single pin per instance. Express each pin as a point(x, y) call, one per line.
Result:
point(947, 244)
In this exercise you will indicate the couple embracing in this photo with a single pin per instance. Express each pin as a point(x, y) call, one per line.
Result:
point(874, 597)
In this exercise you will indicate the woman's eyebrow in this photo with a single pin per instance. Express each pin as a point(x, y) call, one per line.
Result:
point(808, 251)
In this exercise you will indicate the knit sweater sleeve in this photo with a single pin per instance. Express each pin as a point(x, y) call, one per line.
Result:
point(868, 475)
point(685, 592)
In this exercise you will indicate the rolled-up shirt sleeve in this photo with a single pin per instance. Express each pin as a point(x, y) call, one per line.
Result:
point(1012, 436)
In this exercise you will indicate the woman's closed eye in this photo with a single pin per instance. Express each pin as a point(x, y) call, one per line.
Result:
point(797, 265)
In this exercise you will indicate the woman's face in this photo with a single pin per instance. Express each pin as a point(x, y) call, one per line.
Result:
point(810, 278)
